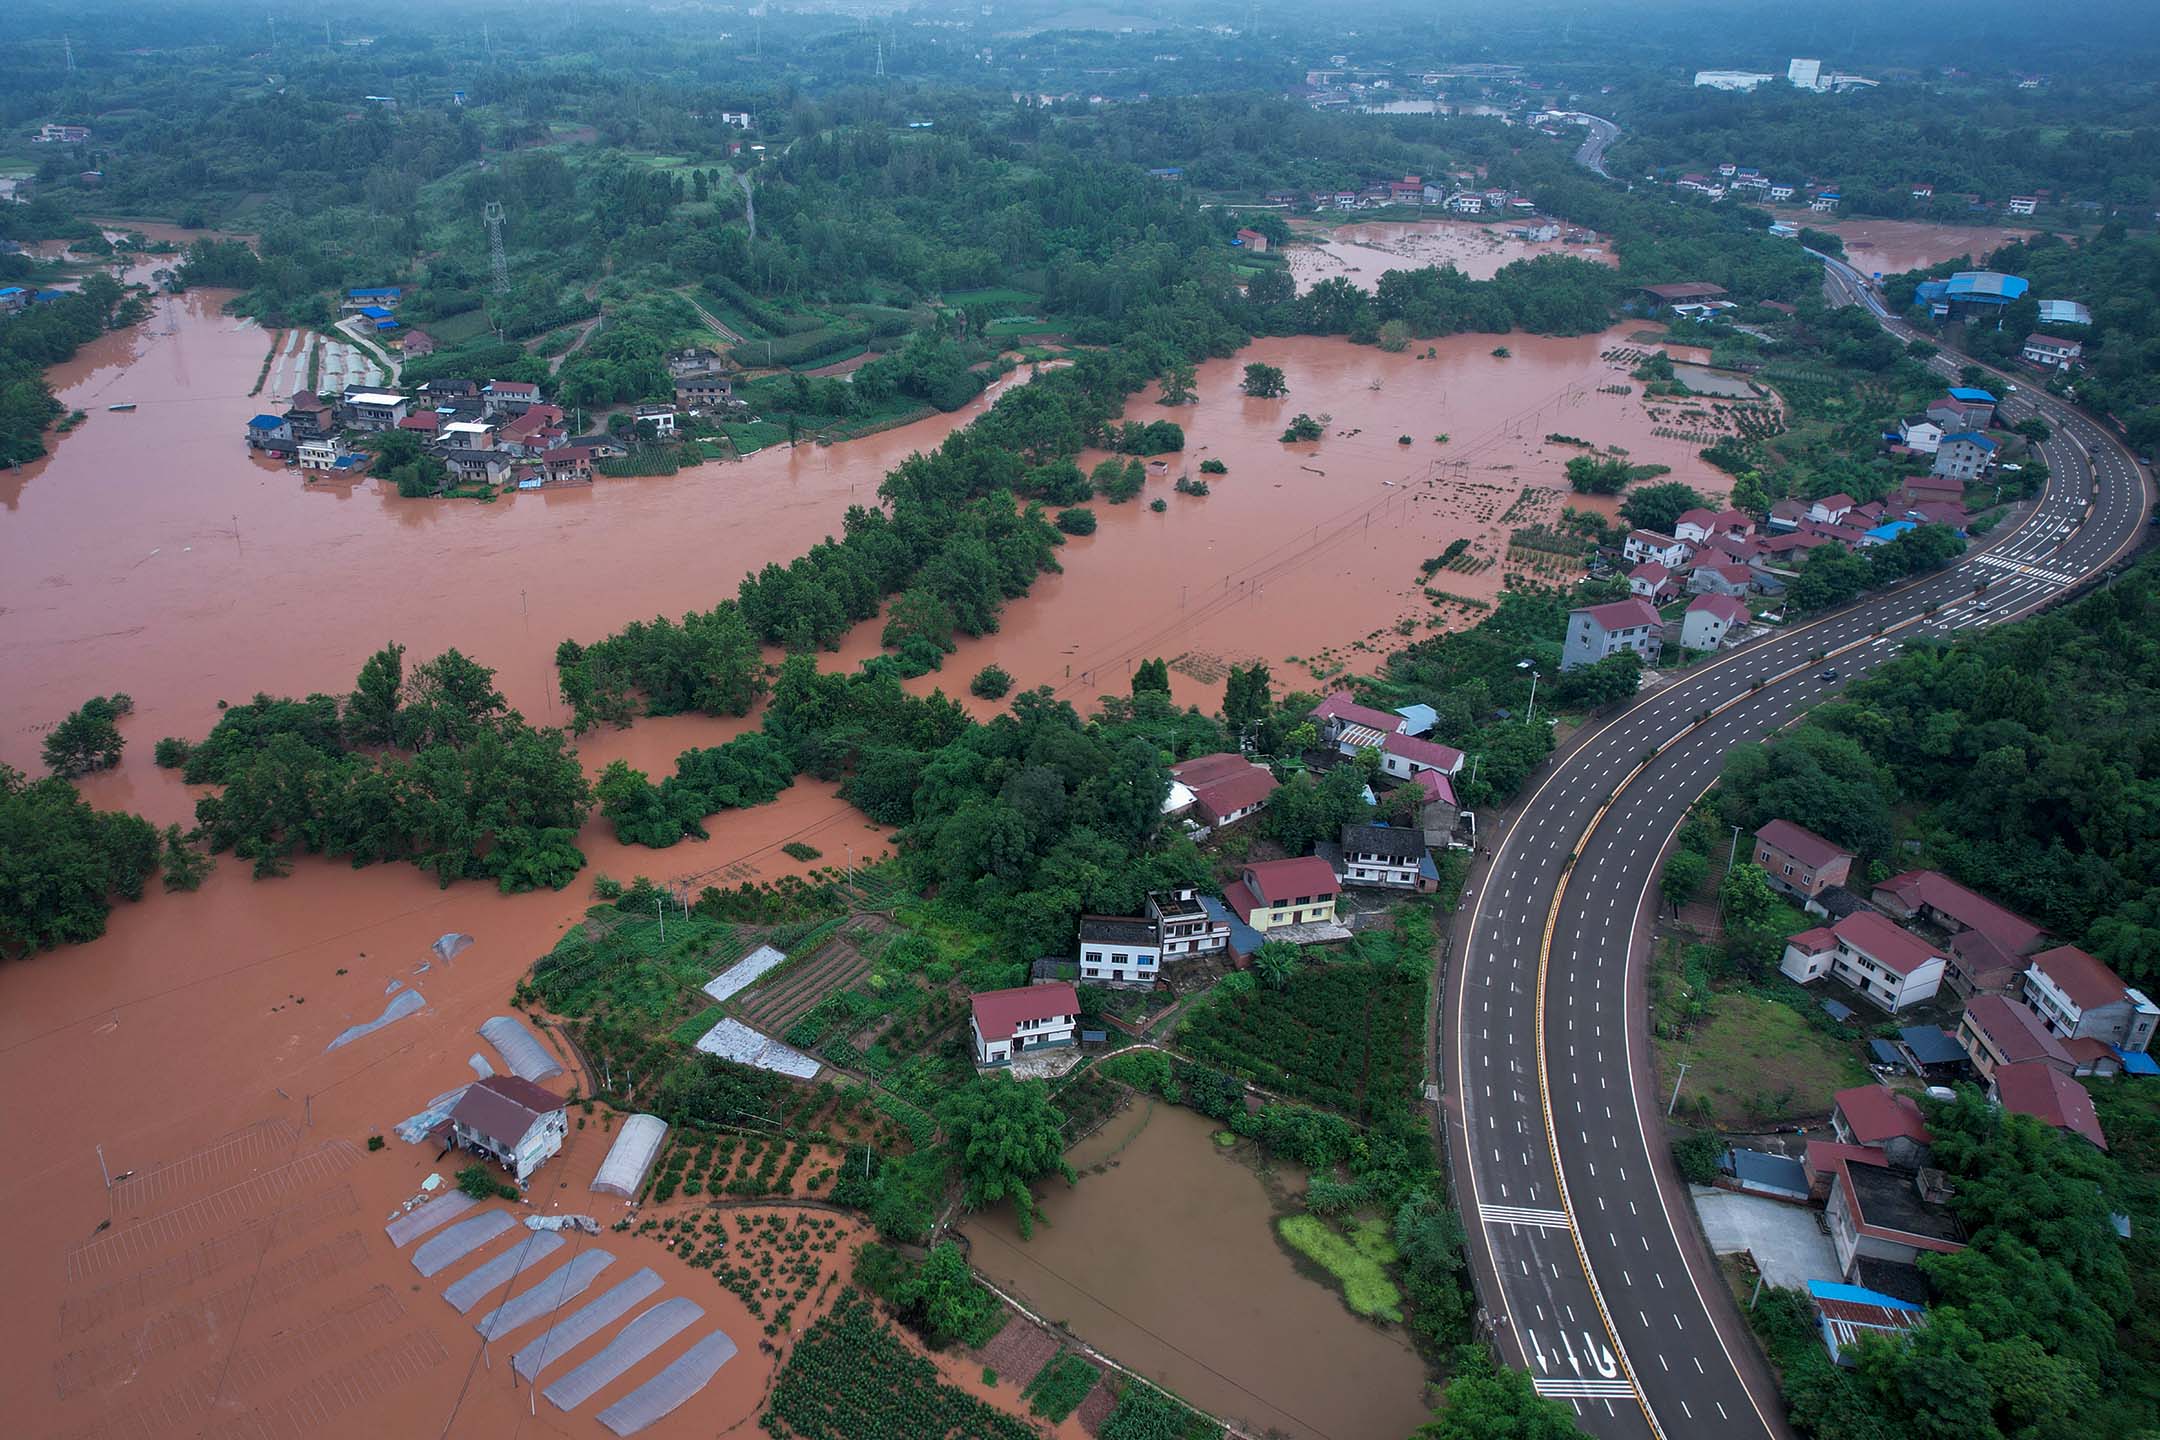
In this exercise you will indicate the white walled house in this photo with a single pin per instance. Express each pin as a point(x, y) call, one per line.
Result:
point(1382, 856)
point(2077, 997)
point(1598, 631)
point(513, 1122)
point(1185, 925)
point(1644, 545)
point(1406, 756)
point(1120, 950)
point(1005, 1023)
point(1921, 435)
point(2052, 351)
point(1709, 619)
point(1890, 966)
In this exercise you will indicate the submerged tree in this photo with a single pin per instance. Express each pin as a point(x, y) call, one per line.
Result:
point(1005, 1133)
point(1265, 382)
point(88, 739)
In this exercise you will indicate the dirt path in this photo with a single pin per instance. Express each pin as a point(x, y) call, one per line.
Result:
point(711, 319)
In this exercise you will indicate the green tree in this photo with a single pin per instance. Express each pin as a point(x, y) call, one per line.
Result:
point(990, 683)
point(1302, 429)
point(61, 863)
point(1151, 675)
point(1489, 1401)
point(1004, 1134)
point(1684, 875)
point(1659, 507)
point(1177, 383)
point(88, 739)
point(1590, 475)
point(1607, 682)
point(1276, 962)
point(1246, 700)
point(185, 867)
point(1754, 933)
point(944, 1300)
point(371, 710)
point(1265, 382)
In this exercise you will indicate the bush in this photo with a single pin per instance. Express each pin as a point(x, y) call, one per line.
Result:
point(799, 851)
point(1213, 467)
point(479, 1182)
point(1303, 428)
point(1698, 1156)
point(171, 753)
point(1147, 1071)
point(1060, 1386)
point(1158, 505)
point(990, 683)
point(1077, 521)
point(374, 1143)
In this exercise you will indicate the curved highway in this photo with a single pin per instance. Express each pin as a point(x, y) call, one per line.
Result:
point(1588, 1262)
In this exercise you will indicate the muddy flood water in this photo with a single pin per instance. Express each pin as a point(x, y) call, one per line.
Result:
point(1362, 253)
point(1890, 247)
point(1164, 1255)
point(149, 554)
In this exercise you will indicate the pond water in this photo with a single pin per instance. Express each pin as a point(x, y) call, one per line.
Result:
point(1164, 1255)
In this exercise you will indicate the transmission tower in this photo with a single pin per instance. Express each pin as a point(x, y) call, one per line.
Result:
point(881, 57)
point(68, 45)
point(493, 214)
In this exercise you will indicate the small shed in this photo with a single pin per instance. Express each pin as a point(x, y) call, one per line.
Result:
point(1762, 1172)
point(1930, 1050)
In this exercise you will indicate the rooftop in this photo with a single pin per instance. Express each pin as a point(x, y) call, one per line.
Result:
point(1971, 910)
point(1383, 840)
point(1728, 608)
point(1274, 881)
point(1423, 752)
point(1931, 1045)
point(1117, 929)
point(1887, 1203)
point(999, 1012)
point(1875, 1113)
point(1342, 706)
point(1802, 844)
point(2014, 1031)
point(2088, 982)
point(2049, 1096)
point(1885, 942)
point(503, 1107)
point(1622, 614)
point(1971, 395)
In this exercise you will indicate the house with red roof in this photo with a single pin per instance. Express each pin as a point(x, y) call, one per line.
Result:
point(1256, 242)
point(1271, 894)
point(1798, 861)
point(1652, 582)
point(1719, 577)
point(1882, 1119)
point(1211, 791)
point(1978, 966)
point(1668, 551)
point(1932, 898)
point(1695, 525)
point(1350, 727)
point(1007, 1023)
point(1405, 757)
point(1996, 1031)
point(1598, 631)
point(1831, 508)
point(1878, 1213)
point(1890, 966)
point(2050, 1097)
point(1710, 618)
point(2077, 997)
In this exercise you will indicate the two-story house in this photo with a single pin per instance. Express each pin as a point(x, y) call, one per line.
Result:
point(1933, 898)
point(1384, 856)
point(1652, 582)
point(1646, 545)
point(1406, 756)
point(271, 433)
point(1798, 861)
point(1121, 951)
point(1720, 577)
point(1710, 618)
point(2079, 998)
point(375, 409)
point(1963, 407)
point(1188, 925)
point(1891, 967)
point(511, 1121)
point(2052, 351)
point(1598, 631)
point(1349, 727)
point(1007, 1023)
point(1211, 791)
point(1920, 435)
point(1878, 1213)
point(1882, 1119)
point(1271, 894)
point(1831, 509)
point(1995, 1031)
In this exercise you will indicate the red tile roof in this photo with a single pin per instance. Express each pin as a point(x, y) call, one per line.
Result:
point(1423, 752)
point(1986, 965)
point(1341, 706)
point(1231, 793)
point(2050, 1096)
point(1697, 516)
point(2078, 975)
point(1728, 608)
point(1651, 571)
point(1974, 911)
point(999, 1012)
point(1875, 1113)
point(1812, 942)
point(1202, 768)
point(2014, 1031)
point(1274, 881)
point(1884, 941)
point(426, 420)
point(1823, 1156)
point(1839, 501)
point(1802, 844)
point(1436, 786)
point(1623, 614)
point(1736, 519)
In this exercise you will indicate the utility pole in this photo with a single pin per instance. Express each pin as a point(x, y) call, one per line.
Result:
point(660, 915)
point(1533, 698)
point(1676, 1090)
point(492, 214)
point(1732, 851)
point(67, 44)
point(881, 57)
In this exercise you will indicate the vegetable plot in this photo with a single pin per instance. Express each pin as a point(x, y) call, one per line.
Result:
point(851, 1378)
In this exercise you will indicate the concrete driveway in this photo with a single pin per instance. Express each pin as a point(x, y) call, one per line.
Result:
point(1787, 1241)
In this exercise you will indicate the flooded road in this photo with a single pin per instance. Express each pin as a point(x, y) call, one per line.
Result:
point(1362, 253)
point(1164, 1256)
point(150, 554)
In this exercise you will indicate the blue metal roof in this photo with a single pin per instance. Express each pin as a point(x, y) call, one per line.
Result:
point(1967, 393)
point(1890, 529)
point(1422, 718)
point(1974, 436)
point(1771, 1172)
point(1243, 938)
point(1990, 286)
point(266, 422)
point(1837, 1010)
point(1931, 1045)
point(1886, 1054)
point(1858, 1295)
point(12, 290)
point(386, 325)
point(378, 293)
point(374, 312)
point(2137, 1062)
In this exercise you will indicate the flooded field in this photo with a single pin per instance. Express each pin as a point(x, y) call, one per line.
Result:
point(1362, 253)
point(149, 554)
point(1891, 246)
point(1164, 1256)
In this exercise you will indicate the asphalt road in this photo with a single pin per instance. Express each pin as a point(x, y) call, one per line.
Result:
point(1588, 1259)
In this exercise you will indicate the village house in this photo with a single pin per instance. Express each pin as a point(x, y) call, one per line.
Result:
point(1598, 631)
point(328, 453)
point(660, 417)
point(693, 362)
point(1995, 1031)
point(1934, 899)
point(1831, 509)
point(1963, 408)
point(378, 298)
point(511, 1121)
point(1120, 951)
point(1652, 582)
point(1349, 727)
point(51, 134)
point(2022, 204)
point(1438, 810)
point(478, 466)
point(1964, 456)
point(418, 343)
point(1680, 293)
point(1644, 545)
point(1253, 240)
point(1891, 967)
point(2052, 351)
point(1188, 923)
point(1884, 1120)
point(1465, 202)
point(1798, 861)
point(469, 435)
point(2079, 998)
point(510, 397)
point(1847, 1314)
point(1719, 577)
point(1782, 190)
point(1406, 756)
point(1919, 435)
point(1877, 1213)
point(1007, 1023)
point(271, 433)
point(1211, 791)
point(1825, 201)
point(707, 392)
point(2064, 312)
point(1272, 894)
point(2050, 1097)
point(1700, 525)
point(1710, 619)
point(1386, 857)
point(309, 418)
point(1787, 514)
point(1978, 966)
point(367, 409)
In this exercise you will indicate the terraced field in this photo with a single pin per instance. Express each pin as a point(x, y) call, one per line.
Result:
point(779, 1002)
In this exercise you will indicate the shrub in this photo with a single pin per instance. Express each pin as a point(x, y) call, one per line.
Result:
point(1158, 505)
point(799, 851)
point(1303, 428)
point(374, 1142)
point(1060, 1386)
point(1213, 467)
point(480, 1183)
point(1077, 521)
point(1698, 1156)
point(991, 683)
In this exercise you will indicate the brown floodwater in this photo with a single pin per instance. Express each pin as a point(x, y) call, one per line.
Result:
point(1361, 253)
point(1164, 1256)
point(150, 554)
point(1890, 247)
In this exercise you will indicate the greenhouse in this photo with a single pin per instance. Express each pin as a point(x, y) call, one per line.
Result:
point(665, 1392)
point(521, 1050)
point(630, 1159)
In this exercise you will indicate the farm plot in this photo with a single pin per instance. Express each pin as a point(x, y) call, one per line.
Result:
point(778, 1003)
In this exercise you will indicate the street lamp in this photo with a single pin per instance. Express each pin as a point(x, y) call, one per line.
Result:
point(1533, 697)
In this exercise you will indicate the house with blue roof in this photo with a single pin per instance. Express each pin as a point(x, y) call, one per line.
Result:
point(380, 292)
point(1763, 1172)
point(1422, 718)
point(1886, 532)
point(1971, 395)
point(1971, 292)
point(270, 432)
point(1846, 1313)
point(13, 298)
point(1964, 456)
point(46, 297)
point(375, 312)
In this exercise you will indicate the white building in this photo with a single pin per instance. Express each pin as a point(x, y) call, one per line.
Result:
point(1647, 545)
point(1922, 436)
point(2078, 997)
point(1599, 631)
point(1890, 966)
point(2053, 351)
point(1805, 74)
point(511, 1121)
point(1382, 855)
point(1405, 756)
point(324, 454)
point(1004, 1023)
point(1709, 619)
point(1186, 925)
point(2023, 204)
point(1731, 79)
point(1120, 950)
